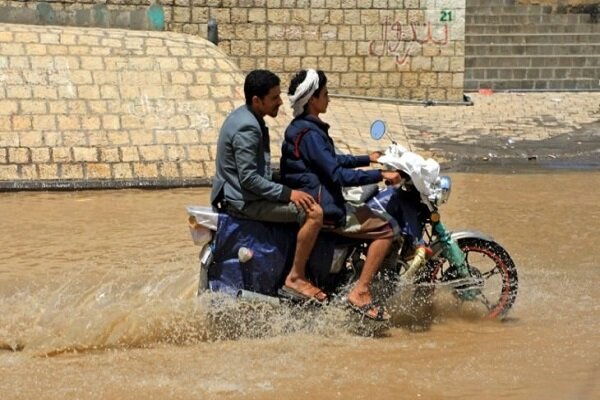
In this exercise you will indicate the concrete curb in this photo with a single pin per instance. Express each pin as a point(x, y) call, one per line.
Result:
point(70, 185)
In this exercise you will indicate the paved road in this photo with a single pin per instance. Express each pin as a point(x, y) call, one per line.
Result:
point(527, 129)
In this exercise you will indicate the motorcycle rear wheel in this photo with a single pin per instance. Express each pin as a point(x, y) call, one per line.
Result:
point(488, 262)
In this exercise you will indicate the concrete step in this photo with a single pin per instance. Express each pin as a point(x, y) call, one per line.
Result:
point(506, 19)
point(533, 84)
point(531, 73)
point(502, 10)
point(532, 49)
point(482, 29)
point(564, 61)
point(509, 46)
point(533, 38)
point(486, 3)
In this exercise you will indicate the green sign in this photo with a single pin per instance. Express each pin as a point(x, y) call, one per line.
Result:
point(446, 16)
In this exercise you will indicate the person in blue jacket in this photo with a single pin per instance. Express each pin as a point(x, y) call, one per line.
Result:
point(243, 185)
point(309, 162)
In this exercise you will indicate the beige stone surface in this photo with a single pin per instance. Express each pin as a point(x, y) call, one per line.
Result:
point(133, 114)
point(392, 37)
point(82, 103)
point(557, 2)
point(121, 171)
point(504, 117)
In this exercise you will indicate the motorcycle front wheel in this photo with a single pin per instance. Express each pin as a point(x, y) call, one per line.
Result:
point(490, 266)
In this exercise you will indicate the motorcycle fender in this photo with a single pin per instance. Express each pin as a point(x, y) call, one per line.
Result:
point(437, 246)
point(206, 257)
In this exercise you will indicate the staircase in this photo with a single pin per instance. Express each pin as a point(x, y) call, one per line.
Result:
point(515, 47)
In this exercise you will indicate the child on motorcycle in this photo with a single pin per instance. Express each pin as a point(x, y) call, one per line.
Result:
point(309, 163)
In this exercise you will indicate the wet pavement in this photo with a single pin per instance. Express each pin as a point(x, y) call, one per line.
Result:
point(98, 292)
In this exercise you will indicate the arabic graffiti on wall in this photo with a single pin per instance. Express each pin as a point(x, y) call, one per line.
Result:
point(42, 73)
point(158, 112)
point(162, 113)
point(404, 40)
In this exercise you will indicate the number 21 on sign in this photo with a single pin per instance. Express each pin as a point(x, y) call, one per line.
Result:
point(446, 16)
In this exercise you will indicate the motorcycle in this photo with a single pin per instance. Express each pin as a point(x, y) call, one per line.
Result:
point(247, 259)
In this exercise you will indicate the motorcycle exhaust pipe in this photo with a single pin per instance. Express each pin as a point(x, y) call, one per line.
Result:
point(253, 296)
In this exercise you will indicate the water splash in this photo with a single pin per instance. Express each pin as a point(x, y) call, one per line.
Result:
point(121, 310)
point(116, 313)
point(109, 314)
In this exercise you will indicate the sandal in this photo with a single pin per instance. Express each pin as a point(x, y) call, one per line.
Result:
point(364, 311)
point(316, 294)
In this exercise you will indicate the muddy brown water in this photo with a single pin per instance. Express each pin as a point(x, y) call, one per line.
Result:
point(97, 300)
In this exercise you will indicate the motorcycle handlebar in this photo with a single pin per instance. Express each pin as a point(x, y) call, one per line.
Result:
point(404, 177)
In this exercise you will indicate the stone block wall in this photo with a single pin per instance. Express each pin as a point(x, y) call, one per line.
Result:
point(94, 106)
point(375, 48)
point(557, 3)
point(409, 49)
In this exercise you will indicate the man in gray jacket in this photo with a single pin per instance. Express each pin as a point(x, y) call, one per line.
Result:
point(243, 186)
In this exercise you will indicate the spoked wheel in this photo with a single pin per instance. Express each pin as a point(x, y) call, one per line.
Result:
point(493, 282)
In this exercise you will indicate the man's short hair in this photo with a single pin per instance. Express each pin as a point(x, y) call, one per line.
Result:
point(258, 83)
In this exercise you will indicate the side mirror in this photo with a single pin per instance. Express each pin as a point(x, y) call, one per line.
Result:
point(377, 129)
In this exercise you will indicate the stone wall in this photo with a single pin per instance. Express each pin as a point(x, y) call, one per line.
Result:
point(591, 7)
point(95, 106)
point(410, 49)
point(558, 3)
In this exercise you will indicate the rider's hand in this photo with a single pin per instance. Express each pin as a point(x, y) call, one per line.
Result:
point(374, 156)
point(302, 200)
point(391, 177)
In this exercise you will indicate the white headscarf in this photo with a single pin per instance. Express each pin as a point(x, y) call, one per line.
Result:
point(304, 92)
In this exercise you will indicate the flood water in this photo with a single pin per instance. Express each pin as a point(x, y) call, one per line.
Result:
point(97, 300)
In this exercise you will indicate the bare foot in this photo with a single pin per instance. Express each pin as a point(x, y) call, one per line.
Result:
point(305, 288)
